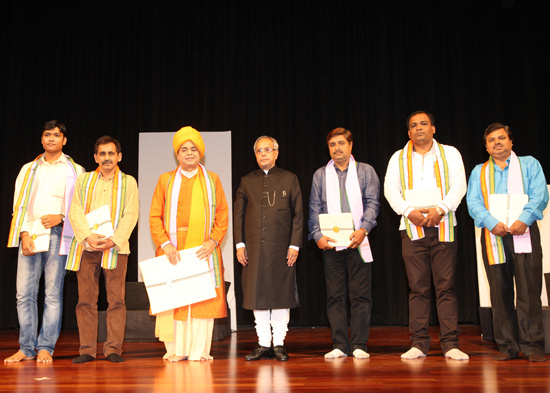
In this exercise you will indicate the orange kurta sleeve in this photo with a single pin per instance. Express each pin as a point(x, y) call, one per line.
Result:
point(156, 214)
point(222, 210)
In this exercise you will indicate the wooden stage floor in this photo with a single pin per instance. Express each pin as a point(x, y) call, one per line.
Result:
point(306, 371)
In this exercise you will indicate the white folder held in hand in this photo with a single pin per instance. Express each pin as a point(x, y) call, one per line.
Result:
point(39, 235)
point(99, 221)
point(171, 286)
point(423, 199)
point(338, 227)
point(507, 207)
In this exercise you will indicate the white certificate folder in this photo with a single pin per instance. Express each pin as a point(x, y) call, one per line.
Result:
point(507, 207)
point(39, 235)
point(172, 286)
point(99, 221)
point(424, 198)
point(337, 226)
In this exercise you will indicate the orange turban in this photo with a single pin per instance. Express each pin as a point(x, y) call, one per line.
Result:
point(188, 134)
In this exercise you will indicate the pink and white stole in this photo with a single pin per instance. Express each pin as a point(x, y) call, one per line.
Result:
point(494, 244)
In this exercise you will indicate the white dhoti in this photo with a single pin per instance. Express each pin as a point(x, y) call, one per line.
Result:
point(191, 340)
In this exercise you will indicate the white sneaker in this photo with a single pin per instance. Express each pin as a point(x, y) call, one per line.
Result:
point(413, 353)
point(456, 354)
point(335, 353)
point(360, 354)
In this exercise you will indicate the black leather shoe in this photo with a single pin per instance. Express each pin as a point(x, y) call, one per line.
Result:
point(502, 357)
point(280, 353)
point(260, 353)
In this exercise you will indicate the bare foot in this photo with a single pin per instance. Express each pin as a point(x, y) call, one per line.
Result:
point(17, 357)
point(44, 357)
point(177, 358)
point(202, 359)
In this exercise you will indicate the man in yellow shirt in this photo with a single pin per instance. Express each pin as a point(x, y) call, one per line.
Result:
point(90, 252)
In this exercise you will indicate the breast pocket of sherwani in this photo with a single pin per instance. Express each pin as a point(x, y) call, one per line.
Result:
point(283, 208)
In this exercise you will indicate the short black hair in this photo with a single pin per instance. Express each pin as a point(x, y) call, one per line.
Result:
point(50, 125)
point(107, 139)
point(431, 117)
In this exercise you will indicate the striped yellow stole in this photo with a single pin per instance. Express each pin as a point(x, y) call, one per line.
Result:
point(441, 170)
point(494, 244)
point(118, 201)
point(202, 215)
point(21, 204)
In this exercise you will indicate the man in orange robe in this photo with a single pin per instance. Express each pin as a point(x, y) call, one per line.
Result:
point(188, 210)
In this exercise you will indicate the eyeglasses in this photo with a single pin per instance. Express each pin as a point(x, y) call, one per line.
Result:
point(264, 149)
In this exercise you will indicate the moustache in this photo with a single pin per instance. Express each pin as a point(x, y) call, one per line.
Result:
point(106, 162)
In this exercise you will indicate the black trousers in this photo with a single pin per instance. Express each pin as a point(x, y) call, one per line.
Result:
point(525, 332)
point(347, 275)
point(426, 258)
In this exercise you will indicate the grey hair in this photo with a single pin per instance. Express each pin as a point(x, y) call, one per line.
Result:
point(275, 144)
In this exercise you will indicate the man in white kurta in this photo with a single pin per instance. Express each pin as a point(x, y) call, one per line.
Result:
point(43, 192)
point(420, 172)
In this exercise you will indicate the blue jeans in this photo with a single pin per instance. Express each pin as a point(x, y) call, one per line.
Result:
point(29, 271)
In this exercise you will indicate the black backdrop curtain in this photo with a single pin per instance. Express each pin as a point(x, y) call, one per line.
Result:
point(293, 70)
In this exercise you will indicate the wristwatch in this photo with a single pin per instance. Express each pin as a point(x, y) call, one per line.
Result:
point(440, 211)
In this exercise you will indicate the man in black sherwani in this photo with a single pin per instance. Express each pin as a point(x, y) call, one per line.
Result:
point(268, 221)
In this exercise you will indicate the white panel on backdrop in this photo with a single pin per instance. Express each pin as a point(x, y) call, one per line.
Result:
point(156, 156)
point(484, 295)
